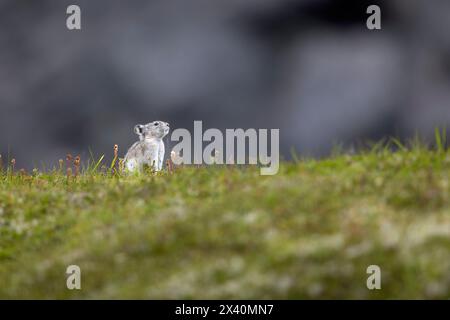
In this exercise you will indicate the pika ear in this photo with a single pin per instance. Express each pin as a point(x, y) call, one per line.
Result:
point(138, 129)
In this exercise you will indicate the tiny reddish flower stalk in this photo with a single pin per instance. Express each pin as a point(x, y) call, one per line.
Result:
point(116, 155)
point(77, 165)
point(169, 165)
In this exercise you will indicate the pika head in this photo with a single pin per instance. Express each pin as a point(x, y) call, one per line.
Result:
point(155, 129)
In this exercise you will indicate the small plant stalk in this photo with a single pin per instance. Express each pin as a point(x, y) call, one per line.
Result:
point(61, 164)
point(169, 166)
point(114, 163)
point(69, 173)
point(121, 165)
point(13, 165)
point(69, 161)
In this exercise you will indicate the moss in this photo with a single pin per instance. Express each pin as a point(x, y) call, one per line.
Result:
point(223, 232)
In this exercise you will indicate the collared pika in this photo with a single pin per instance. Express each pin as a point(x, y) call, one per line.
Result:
point(149, 150)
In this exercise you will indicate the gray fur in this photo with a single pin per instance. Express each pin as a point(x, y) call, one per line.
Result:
point(149, 150)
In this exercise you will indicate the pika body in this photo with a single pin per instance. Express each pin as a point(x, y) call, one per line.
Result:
point(149, 150)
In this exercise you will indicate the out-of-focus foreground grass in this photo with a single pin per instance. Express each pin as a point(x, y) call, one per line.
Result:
point(310, 231)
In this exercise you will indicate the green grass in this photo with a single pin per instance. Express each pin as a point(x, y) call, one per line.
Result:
point(227, 232)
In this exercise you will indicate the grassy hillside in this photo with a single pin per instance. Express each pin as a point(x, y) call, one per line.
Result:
point(227, 232)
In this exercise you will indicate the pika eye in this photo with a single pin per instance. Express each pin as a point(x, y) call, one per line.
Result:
point(156, 124)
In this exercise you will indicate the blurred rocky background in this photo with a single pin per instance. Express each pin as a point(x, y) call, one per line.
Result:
point(308, 67)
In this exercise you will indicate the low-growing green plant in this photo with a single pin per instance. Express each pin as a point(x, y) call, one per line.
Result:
point(217, 231)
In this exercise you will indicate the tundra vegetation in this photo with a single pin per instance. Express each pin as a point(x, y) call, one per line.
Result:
point(223, 231)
